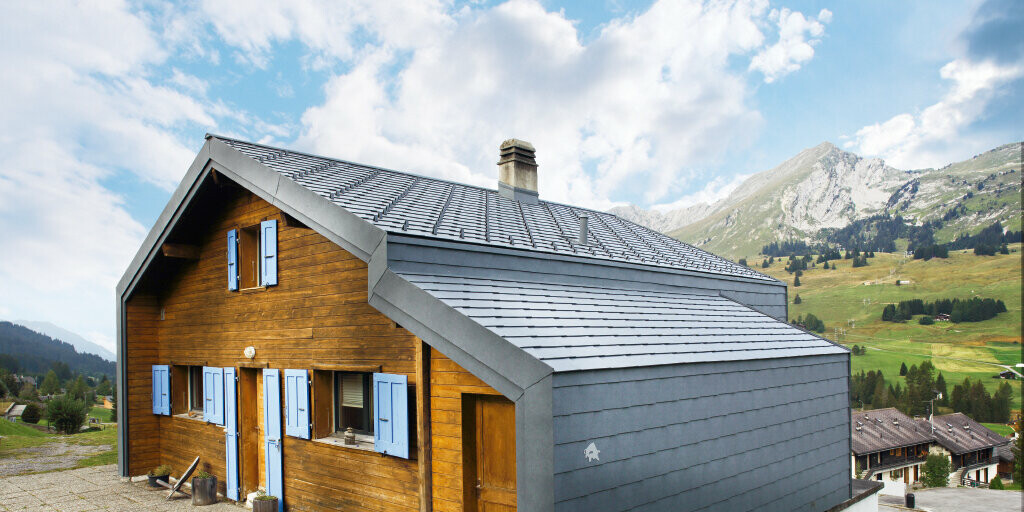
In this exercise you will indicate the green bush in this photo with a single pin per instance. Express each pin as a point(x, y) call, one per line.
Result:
point(161, 470)
point(936, 471)
point(31, 413)
point(926, 320)
point(66, 414)
point(996, 483)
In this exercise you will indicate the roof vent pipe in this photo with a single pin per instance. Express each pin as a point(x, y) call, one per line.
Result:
point(517, 171)
point(584, 229)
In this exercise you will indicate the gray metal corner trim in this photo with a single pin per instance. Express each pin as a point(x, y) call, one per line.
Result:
point(535, 448)
point(121, 380)
point(496, 361)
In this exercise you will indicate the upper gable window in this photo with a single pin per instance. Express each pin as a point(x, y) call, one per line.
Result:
point(252, 256)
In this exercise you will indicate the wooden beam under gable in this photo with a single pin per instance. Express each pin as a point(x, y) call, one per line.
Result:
point(183, 251)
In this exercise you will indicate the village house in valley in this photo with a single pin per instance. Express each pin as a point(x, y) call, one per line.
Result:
point(891, 447)
point(356, 338)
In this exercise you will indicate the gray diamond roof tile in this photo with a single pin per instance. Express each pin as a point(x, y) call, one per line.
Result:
point(405, 203)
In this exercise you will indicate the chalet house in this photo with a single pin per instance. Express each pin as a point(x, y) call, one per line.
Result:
point(355, 338)
point(14, 412)
point(971, 447)
point(1006, 458)
point(890, 447)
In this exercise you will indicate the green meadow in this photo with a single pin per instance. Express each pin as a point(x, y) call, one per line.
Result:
point(851, 300)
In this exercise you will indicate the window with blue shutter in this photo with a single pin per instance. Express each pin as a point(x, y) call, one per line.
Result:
point(391, 414)
point(296, 403)
point(162, 389)
point(213, 395)
point(268, 253)
point(233, 260)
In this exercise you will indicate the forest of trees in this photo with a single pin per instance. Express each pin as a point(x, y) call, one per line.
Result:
point(33, 353)
point(927, 252)
point(810, 322)
point(974, 309)
point(879, 233)
point(871, 390)
point(990, 237)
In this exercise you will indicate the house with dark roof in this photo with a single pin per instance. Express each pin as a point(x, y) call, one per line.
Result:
point(890, 447)
point(970, 446)
point(351, 337)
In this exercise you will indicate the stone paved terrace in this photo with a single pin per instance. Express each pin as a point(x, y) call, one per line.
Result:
point(87, 489)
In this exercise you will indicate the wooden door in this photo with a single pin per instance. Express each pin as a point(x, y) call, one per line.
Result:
point(492, 444)
point(250, 418)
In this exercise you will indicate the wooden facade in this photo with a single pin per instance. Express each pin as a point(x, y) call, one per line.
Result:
point(317, 317)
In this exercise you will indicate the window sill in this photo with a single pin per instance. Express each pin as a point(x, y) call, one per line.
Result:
point(254, 289)
point(363, 442)
point(194, 416)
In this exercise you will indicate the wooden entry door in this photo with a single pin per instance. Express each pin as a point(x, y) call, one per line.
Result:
point(490, 447)
point(249, 421)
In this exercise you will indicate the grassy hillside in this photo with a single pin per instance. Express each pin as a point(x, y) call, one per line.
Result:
point(853, 298)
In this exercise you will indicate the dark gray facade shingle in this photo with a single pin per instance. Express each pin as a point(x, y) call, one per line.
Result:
point(742, 435)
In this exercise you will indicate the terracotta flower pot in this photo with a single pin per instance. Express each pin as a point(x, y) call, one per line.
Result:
point(204, 490)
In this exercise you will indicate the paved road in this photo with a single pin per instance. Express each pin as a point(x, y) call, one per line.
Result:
point(959, 499)
point(89, 489)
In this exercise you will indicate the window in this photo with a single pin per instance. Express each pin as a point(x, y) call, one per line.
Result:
point(252, 256)
point(249, 256)
point(353, 404)
point(195, 389)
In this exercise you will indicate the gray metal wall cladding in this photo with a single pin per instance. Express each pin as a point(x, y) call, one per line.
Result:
point(748, 435)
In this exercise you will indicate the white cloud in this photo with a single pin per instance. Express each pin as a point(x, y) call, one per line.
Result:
point(797, 37)
point(636, 107)
point(82, 108)
point(330, 29)
point(932, 137)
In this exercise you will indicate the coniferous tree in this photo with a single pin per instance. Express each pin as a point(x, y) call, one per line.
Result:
point(50, 384)
point(903, 369)
point(940, 386)
point(796, 300)
point(796, 281)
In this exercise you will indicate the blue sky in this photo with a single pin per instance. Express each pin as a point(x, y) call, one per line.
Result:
point(662, 104)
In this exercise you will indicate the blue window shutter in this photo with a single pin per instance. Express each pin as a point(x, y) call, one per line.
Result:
point(296, 400)
point(233, 260)
point(161, 389)
point(391, 414)
point(213, 395)
point(268, 252)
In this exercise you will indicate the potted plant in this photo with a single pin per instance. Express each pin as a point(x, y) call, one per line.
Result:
point(204, 489)
point(264, 502)
point(160, 473)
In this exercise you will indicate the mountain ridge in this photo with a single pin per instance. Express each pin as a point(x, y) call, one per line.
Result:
point(57, 332)
point(826, 187)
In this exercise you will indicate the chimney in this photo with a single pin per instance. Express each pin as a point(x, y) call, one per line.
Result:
point(584, 231)
point(517, 171)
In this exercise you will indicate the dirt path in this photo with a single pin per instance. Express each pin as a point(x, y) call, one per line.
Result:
point(48, 457)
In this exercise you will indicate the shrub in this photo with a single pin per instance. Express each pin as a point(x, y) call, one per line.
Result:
point(262, 495)
point(66, 414)
point(31, 413)
point(925, 320)
point(161, 470)
point(996, 483)
point(936, 471)
point(797, 300)
point(203, 474)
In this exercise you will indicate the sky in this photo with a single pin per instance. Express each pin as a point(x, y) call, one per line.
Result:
point(657, 103)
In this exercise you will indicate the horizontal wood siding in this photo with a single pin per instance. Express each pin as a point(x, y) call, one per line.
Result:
point(140, 354)
point(746, 435)
point(317, 315)
point(448, 382)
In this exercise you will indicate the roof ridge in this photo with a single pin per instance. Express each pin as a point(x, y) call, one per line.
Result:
point(614, 238)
